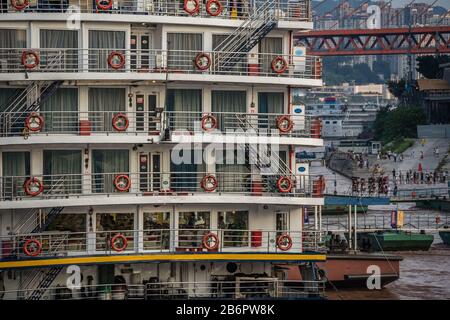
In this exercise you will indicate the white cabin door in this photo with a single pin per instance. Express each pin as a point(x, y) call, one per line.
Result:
point(142, 55)
point(150, 172)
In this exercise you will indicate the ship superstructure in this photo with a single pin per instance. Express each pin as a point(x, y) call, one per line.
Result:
point(149, 146)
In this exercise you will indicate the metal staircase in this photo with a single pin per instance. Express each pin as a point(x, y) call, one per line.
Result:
point(236, 46)
point(41, 279)
point(263, 161)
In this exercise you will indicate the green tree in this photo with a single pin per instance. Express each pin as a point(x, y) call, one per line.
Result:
point(428, 66)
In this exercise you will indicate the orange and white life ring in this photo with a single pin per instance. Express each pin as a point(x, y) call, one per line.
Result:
point(119, 242)
point(284, 184)
point(122, 182)
point(34, 122)
point(116, 60)
point(33, 187)
point(284, 242)
point(209, 183)
point(30, 59)
point(202, 61)
point(210, 241)
point(279, 64)
point(32, 247)
point(214, 7)
point(120, 122)
point(285, 124)
point(19, 4)
point(191, 6)
point(104, 4)
point(209, 122)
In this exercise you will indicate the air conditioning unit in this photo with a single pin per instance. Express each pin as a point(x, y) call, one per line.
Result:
point(165, 182)
point(302, 176)
point(159, 61)
point(298, 117)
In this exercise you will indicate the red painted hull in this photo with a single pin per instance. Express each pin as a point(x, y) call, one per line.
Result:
point(350, 270)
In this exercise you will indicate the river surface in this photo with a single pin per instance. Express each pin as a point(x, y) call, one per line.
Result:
point(423, 275)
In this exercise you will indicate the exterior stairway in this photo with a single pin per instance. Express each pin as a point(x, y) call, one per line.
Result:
point(38, 278)
point(268, 163)
point(239, 43)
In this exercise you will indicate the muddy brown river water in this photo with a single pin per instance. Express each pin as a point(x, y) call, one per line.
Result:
point(423, 275)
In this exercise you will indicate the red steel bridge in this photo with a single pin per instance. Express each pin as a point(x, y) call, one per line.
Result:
point(415, 40)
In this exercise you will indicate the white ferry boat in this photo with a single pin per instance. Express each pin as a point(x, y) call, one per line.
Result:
point(147, 150)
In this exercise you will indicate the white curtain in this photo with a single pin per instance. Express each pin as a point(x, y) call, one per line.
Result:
point(61, 111)
point(107, 40)
point(189, 44)
point(12, 38)
point(63, 168)
point(111, 100)
point(228, 101)
point(105, 165)
point(270, 48)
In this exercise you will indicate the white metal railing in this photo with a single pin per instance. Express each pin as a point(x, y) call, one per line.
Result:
point(263, 124)
point(158, 61)
point(58, 244)
point(145, 123)
point(14, 188)
point(238, 288)
point(286, 10)
point(82, 123)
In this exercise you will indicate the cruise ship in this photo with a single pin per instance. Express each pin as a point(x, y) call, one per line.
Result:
point(147, 150)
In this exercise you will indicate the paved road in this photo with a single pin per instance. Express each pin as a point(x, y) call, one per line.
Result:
point(412, 156)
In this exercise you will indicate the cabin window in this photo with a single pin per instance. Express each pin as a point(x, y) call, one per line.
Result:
point(110, 224)
point(192, 227)
point(15, 170)
point(62, 170)
point(70, 226)
point(104, 104)
point(101, 44)
point(106, 164)
point(13, 38)
point(230, 102)
point(183, 47)
point(186, 176)
point(269, 48)
point(185, 106)
point(233, 173)
point(60, 111)
point(59, 59)
point(232, 222)
point(156, 230)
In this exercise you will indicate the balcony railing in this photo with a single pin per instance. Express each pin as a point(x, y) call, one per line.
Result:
point(86, 123)
point(239, 288)
point(81, 123)
point(61, 244)
point(238, 9)
point(156, 183)
point(158, 61)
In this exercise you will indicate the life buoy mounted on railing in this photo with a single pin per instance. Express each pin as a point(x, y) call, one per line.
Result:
point(209, 183)
point(214, 7)
point(120, 122)
point(122, 183)
point(279, 65)
point(119, 242)
point(202, 61)
point(33, 187)
point(209, 122)
point(30, 59)
point(191, 6)
point(210, 241)
point(284, 184)
point(285, 124)
point(116, 60)
point(34, 122)
point(104, 5)
point(32, 247)
point(19, 4)
point(284, 242)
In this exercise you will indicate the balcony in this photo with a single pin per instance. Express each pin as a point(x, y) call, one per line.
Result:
point(159, 65)
point(217, 288)
point(143, 127)
point(288, 11)
point(57, 244)
point(158, 188)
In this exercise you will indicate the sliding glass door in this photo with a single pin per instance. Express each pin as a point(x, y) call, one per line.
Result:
point(104, 103)
point(101, 44)
point(15, 170)
point(63, 49)
point(60, 111)
point(187, 105)
point(232, 102)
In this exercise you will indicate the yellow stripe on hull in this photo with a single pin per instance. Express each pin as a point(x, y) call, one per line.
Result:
point(161, 257)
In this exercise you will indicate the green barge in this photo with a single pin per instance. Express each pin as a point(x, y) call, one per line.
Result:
point(394, 240)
